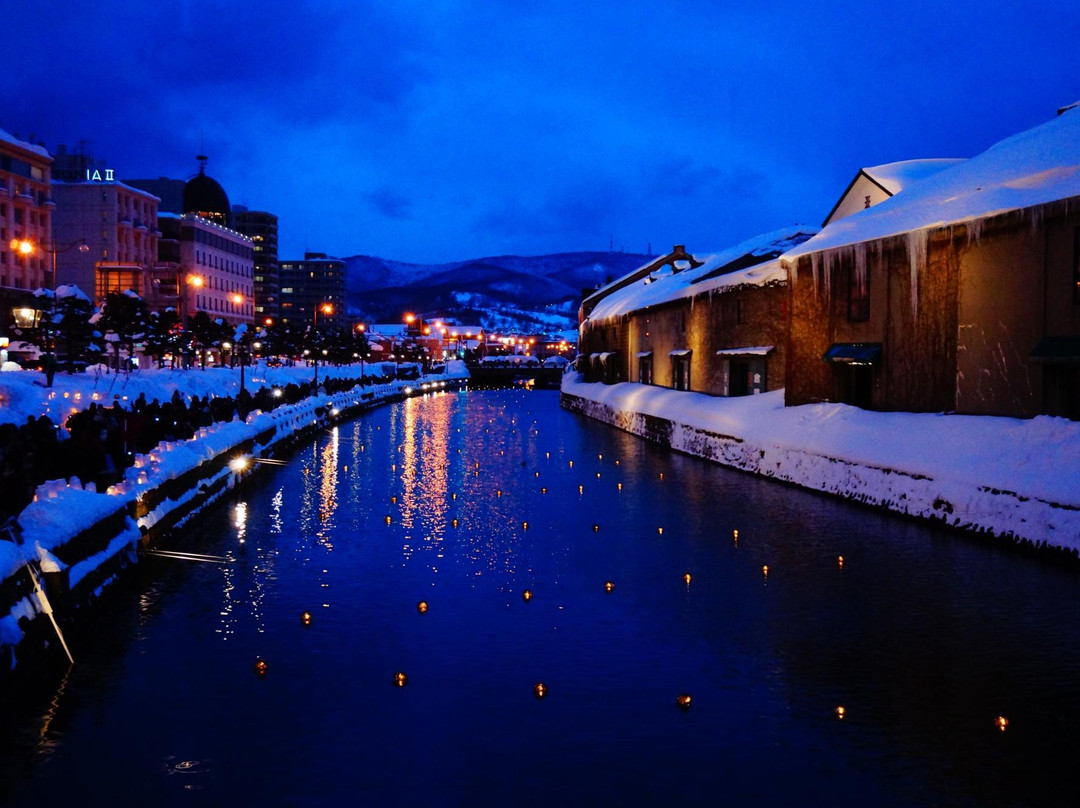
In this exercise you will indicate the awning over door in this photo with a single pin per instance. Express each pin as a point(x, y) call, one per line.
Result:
point(1057, 351)
point(761, 350)
point(854, 353)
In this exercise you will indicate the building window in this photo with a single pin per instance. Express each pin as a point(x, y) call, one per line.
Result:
point(645, 375)
point(680, 369)
point(1076, 266)
point(858, 294)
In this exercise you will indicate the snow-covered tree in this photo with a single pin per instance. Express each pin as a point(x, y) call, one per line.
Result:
point(123, 321)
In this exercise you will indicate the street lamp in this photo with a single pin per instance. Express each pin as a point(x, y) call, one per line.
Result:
point(26, 247)
point(327, 309)
point(360, 329)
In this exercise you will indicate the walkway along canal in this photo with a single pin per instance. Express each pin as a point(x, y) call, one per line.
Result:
point(920, 669)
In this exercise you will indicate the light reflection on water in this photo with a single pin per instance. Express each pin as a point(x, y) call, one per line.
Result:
point(923, 638)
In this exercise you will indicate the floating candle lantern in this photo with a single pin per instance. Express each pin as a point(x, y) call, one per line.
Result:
point(540, 690)
point(305, 618)
point(421, 607)
point(261, 666)
point(400, 679)
point(609, 586)
point(526, 595)
point(683, 700)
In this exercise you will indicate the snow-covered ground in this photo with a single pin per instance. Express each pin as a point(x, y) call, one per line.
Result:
point(22, 392)
point(1010, 476)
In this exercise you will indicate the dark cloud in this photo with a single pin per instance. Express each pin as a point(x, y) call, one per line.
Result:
point(390, 203)
point(457, 127)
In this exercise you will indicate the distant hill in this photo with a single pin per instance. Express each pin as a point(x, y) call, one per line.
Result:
point(507, 292)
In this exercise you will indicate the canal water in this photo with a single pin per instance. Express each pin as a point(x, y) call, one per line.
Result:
point(881, 680)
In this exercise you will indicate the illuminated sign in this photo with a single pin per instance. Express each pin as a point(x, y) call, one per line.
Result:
point(90, 175)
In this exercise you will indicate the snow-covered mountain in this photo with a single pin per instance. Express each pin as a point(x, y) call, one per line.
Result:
point(508, 292)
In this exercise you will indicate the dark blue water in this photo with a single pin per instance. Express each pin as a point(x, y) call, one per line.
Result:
point(923, 638)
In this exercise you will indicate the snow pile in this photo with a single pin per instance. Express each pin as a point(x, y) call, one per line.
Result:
point(895, 177)
point(1004, 475)
point(1031, 168)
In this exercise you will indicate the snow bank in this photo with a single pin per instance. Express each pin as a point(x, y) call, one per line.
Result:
point(1008, 476)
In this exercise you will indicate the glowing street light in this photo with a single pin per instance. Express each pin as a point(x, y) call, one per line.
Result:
point(327, 309)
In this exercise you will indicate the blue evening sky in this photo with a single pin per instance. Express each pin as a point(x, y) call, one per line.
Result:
point(434, 130)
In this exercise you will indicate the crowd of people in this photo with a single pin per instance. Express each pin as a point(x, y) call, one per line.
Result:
point(98, 443)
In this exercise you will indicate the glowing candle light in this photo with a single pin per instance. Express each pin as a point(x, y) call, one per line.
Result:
point(619, 486)
point(598, 475)
point(581, 489)
point(599, 457)
point(536, 474)
point(765, 570)
point(595, 528)
point(422, 607)
point(453, 495)
point(571, 464)
point(453, 522)
point(609, 586)
point(660, 531)
point(540, 690)
point(524, 525)
point(400, 679)
point(261, 667)
point(543, 490)
point(661, 475)
point(683, 700)
point(527, 595)
point(476, 465)
point(388, 519)
point(305, 618)
point(687, 577)
point(840, 561)
point(1001, 722)
point(498, 492)
point(547, 455)
point(393, 500)
point(345, 468)
point(840, 712)
point(616, 462)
